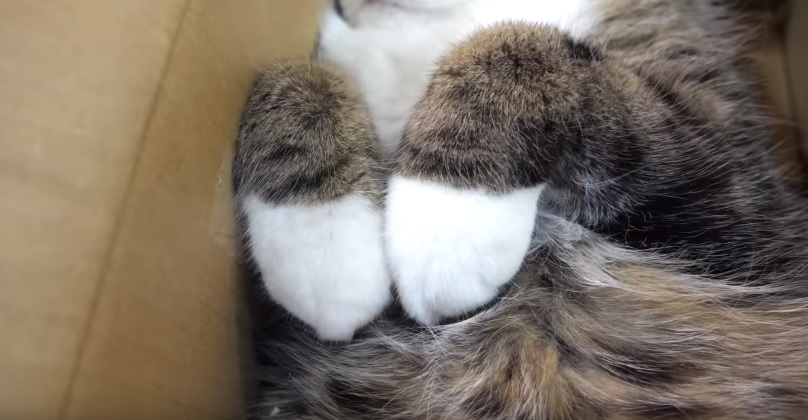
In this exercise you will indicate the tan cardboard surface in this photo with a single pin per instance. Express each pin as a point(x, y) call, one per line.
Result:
point(77, 79)
point(116, 123)
point(165, 342)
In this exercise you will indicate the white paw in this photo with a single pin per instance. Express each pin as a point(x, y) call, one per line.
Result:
point(325, 263)
point(451, 250)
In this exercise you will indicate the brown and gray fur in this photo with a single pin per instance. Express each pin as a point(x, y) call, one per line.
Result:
point(322, 144)
point(669, 279)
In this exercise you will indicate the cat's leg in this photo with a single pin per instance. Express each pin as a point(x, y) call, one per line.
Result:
point(501, 122)
point(462, 200)
point(305, 183)
point(651, 150)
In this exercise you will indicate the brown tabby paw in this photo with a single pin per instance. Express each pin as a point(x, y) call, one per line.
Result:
point(501, 109)
point(304, 181)
point(462, 201)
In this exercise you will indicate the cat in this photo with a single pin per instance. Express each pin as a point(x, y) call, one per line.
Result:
point(589, 189)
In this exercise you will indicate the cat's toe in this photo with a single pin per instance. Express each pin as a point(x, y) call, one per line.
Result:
point(324, 263)
point(451, 250)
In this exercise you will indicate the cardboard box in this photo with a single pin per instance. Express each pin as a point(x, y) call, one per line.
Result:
point(118, 293)
point(119, 297)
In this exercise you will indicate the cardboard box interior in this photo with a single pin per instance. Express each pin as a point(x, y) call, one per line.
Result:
point(120, 297)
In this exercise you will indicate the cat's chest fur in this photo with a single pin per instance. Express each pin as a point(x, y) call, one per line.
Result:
point(390, 50)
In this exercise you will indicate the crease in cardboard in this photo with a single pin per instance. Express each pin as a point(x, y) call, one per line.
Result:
point(120, 217)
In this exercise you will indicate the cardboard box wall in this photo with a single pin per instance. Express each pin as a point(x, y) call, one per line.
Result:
point(118, 298)
point(118, 290)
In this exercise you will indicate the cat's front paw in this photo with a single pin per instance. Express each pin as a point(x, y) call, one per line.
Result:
point(450, 249)
point(306, 183)
point(498, 122)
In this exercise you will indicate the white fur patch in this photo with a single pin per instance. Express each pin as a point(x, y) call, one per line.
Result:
point(451, 250)
point(325, 264)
